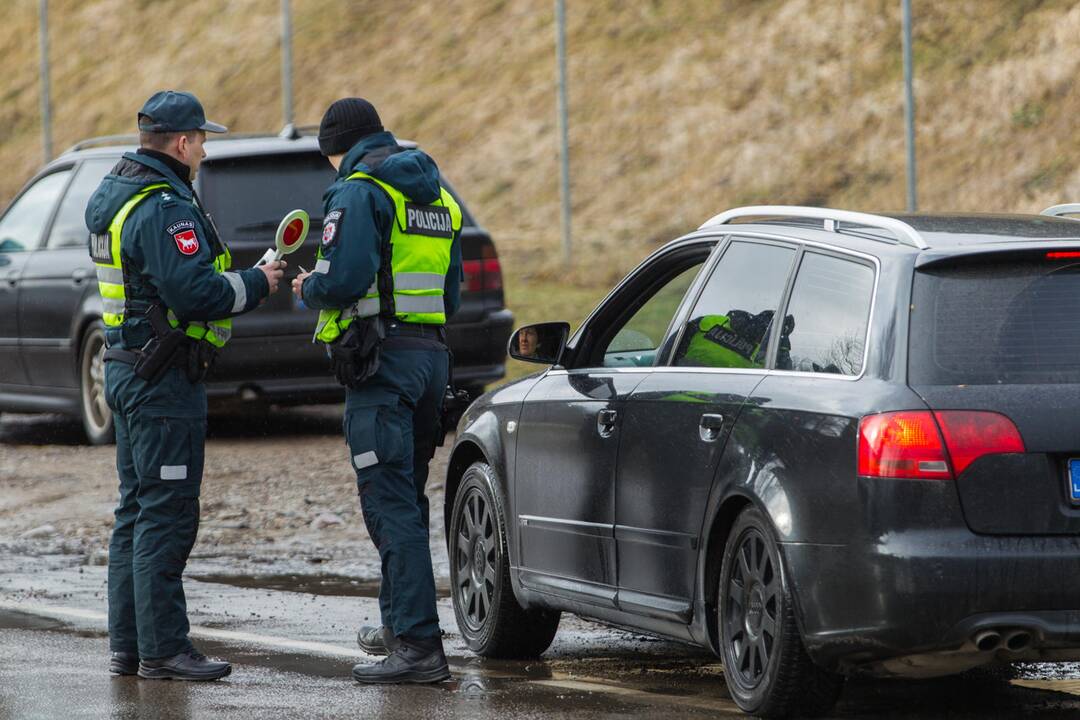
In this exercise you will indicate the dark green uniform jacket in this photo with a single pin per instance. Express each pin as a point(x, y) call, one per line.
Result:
point(157, 265)
point(352, 247)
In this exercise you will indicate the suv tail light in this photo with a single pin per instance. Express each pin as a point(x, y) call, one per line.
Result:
point(483, 274)
point(910, 444)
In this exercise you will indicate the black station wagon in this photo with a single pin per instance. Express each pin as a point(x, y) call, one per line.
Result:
point(816, 442)
point(51, 336)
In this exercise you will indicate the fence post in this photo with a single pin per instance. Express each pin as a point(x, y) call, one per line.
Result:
point(909, 111)
point(564, 132)
point(46, 103)
point(286, 62)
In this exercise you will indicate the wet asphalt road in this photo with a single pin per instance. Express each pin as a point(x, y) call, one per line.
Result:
point(288, 628)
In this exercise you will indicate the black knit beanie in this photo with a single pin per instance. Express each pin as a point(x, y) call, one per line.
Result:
point(345, 122)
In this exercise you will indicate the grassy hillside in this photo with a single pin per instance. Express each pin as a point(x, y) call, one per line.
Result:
point(678, 109)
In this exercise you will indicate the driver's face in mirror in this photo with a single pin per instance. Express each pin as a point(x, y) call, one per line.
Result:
point(528, 342)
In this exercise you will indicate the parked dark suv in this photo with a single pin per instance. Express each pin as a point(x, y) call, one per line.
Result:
point(816, 442)
point(51, 337)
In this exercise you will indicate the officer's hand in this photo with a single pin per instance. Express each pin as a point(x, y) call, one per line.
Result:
point(273, 271)
point(298, 284)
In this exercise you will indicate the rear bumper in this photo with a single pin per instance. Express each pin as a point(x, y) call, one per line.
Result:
point(913, 603)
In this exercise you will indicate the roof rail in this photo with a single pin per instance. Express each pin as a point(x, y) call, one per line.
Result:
point(103, 140)
point(832, 218)
point(1062, 210)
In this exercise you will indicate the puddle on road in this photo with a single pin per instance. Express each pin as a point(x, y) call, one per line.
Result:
point(335, 585)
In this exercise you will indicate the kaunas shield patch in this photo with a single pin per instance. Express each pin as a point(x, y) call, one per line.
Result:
point(330, 227)
point(430, 220)
point(183, 234)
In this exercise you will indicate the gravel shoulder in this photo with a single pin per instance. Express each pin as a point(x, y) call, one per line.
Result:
point(278, 495)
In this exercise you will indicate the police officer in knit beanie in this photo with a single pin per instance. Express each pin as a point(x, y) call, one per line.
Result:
point(344, 123)
point(393, 400)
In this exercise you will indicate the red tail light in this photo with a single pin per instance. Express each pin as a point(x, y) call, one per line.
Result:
point(902, 445)
point(911, 445)
point(483, 274)
point(1062, 255)
point(969, 435)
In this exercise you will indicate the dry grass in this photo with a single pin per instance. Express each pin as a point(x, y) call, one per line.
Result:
point(678, 109)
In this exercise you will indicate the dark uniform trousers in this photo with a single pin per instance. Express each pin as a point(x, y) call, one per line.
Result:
point(160, 437)
point(395, 416)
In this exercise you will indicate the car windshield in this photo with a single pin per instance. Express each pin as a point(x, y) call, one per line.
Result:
point(248, 196)
point(996, 322)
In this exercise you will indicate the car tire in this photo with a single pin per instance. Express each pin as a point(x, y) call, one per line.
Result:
point(490, 619)
point(97, 419)
point(766, 667)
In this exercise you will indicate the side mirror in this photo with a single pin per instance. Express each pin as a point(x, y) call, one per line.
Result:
point(540, 343)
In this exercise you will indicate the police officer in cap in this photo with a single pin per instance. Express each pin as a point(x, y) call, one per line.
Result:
point(167, 297)
point(387, 276)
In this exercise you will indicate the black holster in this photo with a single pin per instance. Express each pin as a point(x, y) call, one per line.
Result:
point(161, 351)
point(172, 347)
point(354, 357)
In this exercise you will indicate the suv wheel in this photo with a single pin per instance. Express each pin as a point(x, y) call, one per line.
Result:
point(766, 666)
point(488, 615)
point(97, 418)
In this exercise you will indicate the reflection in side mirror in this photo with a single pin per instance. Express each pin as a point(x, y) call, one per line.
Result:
point(540, 343)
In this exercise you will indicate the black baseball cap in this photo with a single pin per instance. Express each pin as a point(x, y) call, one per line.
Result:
point(175, 111)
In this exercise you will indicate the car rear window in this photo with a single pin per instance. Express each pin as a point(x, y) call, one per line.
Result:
point(1014, 321)
point(827, 316)
point(248, 196)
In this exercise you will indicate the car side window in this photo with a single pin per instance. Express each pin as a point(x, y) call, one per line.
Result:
point(23, 225)
point(732, 320)
point(830, 311)
point(637, 341)
point(69, 228)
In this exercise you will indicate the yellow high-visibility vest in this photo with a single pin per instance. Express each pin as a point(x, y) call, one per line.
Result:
point(420, 242)
point(105, 252)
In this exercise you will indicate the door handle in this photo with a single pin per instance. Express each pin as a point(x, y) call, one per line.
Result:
point(12, 278)
point(79, 276)
point(605, 422)
point(710, 426)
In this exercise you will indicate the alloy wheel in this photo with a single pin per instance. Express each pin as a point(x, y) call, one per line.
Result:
point(96, 412)
point(752, 620)
point(476, 556)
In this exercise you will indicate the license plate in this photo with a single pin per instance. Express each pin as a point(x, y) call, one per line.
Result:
point(1074, 480)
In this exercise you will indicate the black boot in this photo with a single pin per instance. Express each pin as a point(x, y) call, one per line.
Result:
point(124, 663)
point(191, 665)
point(377, 640)
point(414, 661)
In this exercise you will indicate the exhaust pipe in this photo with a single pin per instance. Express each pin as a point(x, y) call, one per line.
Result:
point(1018, 640)
point(987, 640)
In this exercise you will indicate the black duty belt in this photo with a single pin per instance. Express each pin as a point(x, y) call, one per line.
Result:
point(416, 330)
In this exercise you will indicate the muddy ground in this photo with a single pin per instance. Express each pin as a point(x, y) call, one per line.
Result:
point(278, 495)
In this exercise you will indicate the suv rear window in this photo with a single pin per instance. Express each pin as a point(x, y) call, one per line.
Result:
point(1014, 321)
point(248, 196)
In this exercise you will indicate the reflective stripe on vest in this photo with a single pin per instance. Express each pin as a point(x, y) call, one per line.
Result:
point(105, 252)
point(419, 261)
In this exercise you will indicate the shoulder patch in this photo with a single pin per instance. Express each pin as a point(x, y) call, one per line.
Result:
point(183, 234)
point(167, 200)
point(101, 248)
point(330, 227)
point(182, 225)
point(430, 220)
